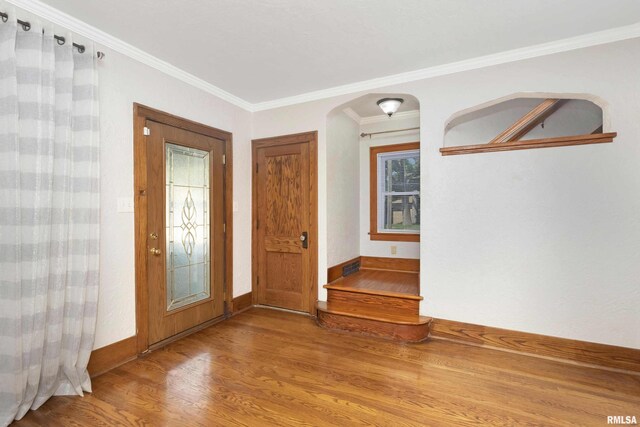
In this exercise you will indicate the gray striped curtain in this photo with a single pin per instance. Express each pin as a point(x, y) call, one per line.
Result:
point(49, 206)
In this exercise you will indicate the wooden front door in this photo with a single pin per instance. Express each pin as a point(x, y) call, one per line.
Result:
point(285, 231)
point(185, 223)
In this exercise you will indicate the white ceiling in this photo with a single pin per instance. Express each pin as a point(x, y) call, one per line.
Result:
point(366, 106)
point(261, 50)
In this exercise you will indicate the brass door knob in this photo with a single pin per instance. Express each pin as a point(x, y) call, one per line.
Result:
point(155, 251)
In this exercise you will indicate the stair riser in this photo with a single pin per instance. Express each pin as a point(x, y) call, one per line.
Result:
point(380, 303)
point(404, 333)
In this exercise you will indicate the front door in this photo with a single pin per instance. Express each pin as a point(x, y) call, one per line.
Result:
point(284, 196)
point(185, 223)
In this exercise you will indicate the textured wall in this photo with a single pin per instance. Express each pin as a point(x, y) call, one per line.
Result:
point(343, 190)
point(543, 241)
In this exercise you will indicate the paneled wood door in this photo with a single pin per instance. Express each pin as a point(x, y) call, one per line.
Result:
point(285, 221)
point(185, 223)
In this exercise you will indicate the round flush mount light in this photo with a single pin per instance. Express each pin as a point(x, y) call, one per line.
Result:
point(390, 105)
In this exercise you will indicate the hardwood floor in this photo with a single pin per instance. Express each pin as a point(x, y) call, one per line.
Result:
point(267, 367)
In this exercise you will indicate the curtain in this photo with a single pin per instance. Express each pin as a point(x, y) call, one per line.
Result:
point(49, 207)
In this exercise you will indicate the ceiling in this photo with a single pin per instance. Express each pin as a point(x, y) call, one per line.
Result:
point(366, 106)
point(262, 50)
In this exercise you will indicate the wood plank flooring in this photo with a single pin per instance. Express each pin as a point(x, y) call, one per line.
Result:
point(381, 280)
point(267, 367)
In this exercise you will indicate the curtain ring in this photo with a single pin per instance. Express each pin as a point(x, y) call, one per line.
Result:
point(61, 40)
point(81, 49)
point(5, 17)
point(25, 25)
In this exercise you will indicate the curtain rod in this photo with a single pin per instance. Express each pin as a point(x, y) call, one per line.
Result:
point(26, 26)
point(363, 134)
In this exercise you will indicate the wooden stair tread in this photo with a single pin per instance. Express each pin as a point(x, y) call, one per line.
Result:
point(370, 314)
point(340, 287)
point(399, 284)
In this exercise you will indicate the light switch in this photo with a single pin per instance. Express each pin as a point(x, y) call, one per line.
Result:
point(394, 250)
point(125, 204)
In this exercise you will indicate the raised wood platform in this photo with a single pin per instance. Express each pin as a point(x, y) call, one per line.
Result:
point(377, 302)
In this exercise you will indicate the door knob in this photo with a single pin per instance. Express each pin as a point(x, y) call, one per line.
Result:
point(155, 251)
point(304, 238)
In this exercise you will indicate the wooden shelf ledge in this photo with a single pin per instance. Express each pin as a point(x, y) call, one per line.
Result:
point(563, 141)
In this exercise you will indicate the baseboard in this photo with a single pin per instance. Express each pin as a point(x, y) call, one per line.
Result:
point(582, 352)
point(393, 264)
point(375, 263)
point(111, 356)
point(242, 302)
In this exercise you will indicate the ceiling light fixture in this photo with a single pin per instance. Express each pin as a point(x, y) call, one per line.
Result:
point(390, 105)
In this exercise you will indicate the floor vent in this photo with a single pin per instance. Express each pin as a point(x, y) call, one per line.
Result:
point(348, 269)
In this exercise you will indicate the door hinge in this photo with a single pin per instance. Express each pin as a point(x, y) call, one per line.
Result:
point(256, 168)
point(146, 131)
point(224, 227)
point(257, 224)
point(224, 159)
point(257, 280)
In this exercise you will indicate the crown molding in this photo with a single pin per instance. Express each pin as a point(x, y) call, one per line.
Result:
point(77, 26)
point(383, 118)
point(100, 37)
point(558, 46)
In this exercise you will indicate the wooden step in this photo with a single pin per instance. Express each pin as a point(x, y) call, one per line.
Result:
point(372, 322)
point(381, 282)
point(337, 285)
point(382, 302)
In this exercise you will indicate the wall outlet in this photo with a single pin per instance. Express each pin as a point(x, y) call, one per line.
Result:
point(125, 204)
point(394, 250)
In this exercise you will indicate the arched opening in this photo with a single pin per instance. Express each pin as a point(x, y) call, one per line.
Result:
point(528, 120)
point(373, 213)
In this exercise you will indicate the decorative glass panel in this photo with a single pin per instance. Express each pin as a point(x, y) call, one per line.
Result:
point(187, 227)
point(399, 192)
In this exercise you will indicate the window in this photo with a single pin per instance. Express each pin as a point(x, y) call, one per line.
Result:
point(395, 192)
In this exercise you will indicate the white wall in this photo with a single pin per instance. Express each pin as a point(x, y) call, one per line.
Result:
point(123, 82)
point(544, 241)
point(380, 248)
point(342, 188)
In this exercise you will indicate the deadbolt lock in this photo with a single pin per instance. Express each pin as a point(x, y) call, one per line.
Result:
point(154, 235)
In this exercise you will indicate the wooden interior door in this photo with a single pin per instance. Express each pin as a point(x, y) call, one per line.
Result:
point(185, 223)
point(284, 222)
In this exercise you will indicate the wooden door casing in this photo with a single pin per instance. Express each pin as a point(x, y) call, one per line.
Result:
point(142, 113)
point(285, 206)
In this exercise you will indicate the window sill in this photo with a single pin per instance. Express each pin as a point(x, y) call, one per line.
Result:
point(395, 237)
point(532, 143)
